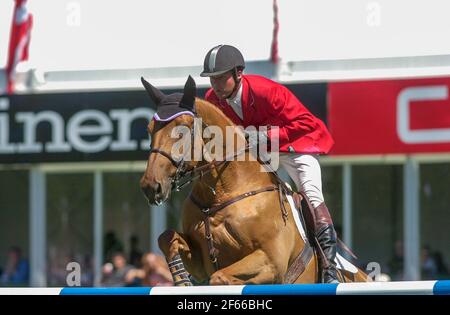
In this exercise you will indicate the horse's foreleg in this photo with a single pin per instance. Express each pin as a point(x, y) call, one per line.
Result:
point(255, 268)
point(178, 252)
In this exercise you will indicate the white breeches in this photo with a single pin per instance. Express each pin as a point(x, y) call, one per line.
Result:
point(304, 169)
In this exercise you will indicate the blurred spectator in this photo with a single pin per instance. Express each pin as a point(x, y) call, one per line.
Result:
point(428, 268)
point(111, 245)
point(441, 267)
point(17, 270)
point(395, 265)
point(135, 252)
point(114, 274)
point(57, 265)
point(87, 271)
point(154, 272)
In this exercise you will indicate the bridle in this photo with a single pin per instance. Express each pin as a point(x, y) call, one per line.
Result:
point(179, 165)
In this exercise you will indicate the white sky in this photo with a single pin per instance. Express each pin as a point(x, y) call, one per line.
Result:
point(152, 33)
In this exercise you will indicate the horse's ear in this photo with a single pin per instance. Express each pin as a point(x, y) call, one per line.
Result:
point(155, 94)
point(189, 93)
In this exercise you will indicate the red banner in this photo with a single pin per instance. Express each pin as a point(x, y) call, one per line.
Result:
point(19, 40)
point(276, 26)
point(398, 116)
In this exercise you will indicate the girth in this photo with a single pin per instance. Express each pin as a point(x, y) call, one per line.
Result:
point(210, 211)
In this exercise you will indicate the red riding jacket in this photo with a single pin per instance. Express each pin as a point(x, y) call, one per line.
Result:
point(267, 103)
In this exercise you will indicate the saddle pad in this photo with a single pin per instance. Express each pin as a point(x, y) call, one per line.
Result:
point(344, 264)
point(296, 216)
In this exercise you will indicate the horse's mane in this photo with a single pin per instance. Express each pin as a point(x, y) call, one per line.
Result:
point(208, 110)
point(210, 113)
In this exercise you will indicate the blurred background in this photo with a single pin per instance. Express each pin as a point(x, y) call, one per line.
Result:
point(73, 116)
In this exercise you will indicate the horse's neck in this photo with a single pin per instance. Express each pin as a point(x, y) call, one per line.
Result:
point(213, 116)
point(233, 176)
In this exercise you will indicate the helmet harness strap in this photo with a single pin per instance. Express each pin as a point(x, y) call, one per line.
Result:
point(237, 82)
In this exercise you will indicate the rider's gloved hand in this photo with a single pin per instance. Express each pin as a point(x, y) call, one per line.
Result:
point(254, 137)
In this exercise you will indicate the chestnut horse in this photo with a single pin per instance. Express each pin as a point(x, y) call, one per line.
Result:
point(235, 230)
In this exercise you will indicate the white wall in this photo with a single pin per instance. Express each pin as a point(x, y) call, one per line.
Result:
point(326, 29)
point(143, 33)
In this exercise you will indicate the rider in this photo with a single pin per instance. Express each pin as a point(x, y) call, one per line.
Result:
point(252, 100)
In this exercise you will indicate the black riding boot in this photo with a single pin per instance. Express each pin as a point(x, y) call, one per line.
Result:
point(326, 235)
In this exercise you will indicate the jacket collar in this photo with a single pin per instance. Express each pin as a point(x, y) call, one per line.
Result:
point(248, 100)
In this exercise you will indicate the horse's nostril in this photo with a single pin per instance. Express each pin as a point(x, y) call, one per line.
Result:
point(158, 189)
point(146, 191)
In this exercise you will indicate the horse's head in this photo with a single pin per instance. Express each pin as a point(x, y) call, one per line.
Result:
point(174, 116)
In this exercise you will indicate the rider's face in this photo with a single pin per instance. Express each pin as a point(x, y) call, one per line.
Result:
point(223, 84)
